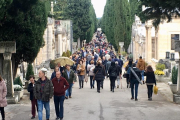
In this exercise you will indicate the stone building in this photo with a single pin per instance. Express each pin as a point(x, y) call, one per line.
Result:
point(152, 44)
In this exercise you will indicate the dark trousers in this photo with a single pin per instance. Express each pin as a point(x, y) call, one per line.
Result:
point(98, 84)
point(127, 79)
point(112, 82)
point(81, 81)
point(150, 90)
point(91, 82)
point(136, 89)
point(2, 112)
point(58, 102)
point(33, 107)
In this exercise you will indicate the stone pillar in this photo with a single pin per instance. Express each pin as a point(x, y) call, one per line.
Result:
point(149, 45)
point(146, 45)
point(7, 74)
point(7, 48)
point(78, 42)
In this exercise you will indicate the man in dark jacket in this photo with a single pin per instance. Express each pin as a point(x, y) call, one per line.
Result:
point(60, 86)
point(118, 73)
point(32, 98)
point(134, 81)
point(70, 77)
point(61, 69)
point(43, 92)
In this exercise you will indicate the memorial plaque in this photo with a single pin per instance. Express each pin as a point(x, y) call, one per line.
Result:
point(8, 47)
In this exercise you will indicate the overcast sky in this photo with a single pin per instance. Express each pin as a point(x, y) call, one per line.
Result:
point(99, 7)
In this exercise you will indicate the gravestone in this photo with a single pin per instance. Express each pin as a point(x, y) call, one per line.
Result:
point(7, 48)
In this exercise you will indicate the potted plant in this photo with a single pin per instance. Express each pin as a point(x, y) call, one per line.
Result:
point(173, 86)
point(159, 72)
point(18, 90)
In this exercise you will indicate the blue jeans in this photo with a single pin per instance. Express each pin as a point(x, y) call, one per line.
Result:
point(142, 74)
point(69, 90)
point(58, 102)
point(40, 109)
point(136, 89)
point(91, 82)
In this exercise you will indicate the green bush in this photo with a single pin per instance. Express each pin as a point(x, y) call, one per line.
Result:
point(174, 75)
point(64, 54)
point(29, 71)
point(52, 64)
point(160, 67)
point(18, 81)
point(124, 53)
point(68, 54)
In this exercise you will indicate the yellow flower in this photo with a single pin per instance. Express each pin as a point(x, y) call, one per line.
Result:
point(158, 72)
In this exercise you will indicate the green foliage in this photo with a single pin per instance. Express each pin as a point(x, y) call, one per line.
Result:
point(24, 21)
point(116, 22)
point(124, 53)
point(68, 54)
point(160, 67)
point(52, 64)
point(64, 54)
point(78, 12)
point(29, 71)
point(159, 10)
point(18, 81)
point(174, 75)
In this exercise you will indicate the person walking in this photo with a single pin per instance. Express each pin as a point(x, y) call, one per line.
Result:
point(113, 73)
point(90, 68)
point(54, 73)
point(150, 81)
point(61, 69)
point(108, 65)
point(134, 81)
point(3, 93)
point(119, 73)
point(60, 86)
point(141, 65)
point(31, 97)
point(99, 72)
point(70, 77)
point(43, 92)
point(81, 73)
point(130, 63)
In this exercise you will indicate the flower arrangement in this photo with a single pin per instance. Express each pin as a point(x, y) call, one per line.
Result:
point(159, 69)
point(159, 72)
point(17, 88)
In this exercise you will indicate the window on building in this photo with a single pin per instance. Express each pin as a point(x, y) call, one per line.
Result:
point(173, 38)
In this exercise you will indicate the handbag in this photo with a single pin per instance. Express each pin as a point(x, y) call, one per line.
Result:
point(95, 75)
point(125, 75)
point(155, 90)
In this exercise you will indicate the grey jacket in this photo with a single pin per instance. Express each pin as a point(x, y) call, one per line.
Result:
point(43, 94)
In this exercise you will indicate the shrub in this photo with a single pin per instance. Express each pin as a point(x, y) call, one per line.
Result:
point(52, 64)
point(160, 67)
point(64, 54)
point(18, 81)
point(174, 75)
point(68, 54)
point(124, 53)
point(29, 71)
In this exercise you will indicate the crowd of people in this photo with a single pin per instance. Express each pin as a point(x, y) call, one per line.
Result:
point(95, 61)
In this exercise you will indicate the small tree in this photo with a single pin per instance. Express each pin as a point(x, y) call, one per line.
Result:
point(174, 75)
point(18, 81)
point(29, 71)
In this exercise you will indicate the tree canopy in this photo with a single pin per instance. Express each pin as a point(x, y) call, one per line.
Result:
point(116, 22)
point(159, 10)
point(24, 22)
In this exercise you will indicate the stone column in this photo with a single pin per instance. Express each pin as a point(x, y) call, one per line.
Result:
point(149, 45)
point(7, 48)
point(78, 42)
point(7, 74)
point(146, 45)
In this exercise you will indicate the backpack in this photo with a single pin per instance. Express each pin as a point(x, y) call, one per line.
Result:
point(114, 72)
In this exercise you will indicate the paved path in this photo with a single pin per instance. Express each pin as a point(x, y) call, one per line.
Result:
point(87, 104)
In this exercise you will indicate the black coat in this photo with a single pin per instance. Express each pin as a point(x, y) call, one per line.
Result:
point(113, 69)
point(99, 72)
point(30, 89)
point(132, 78)
point(150, 77)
